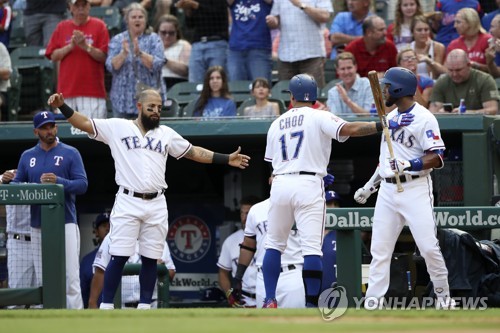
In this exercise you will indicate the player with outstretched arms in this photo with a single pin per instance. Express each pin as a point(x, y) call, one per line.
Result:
point(140, 149)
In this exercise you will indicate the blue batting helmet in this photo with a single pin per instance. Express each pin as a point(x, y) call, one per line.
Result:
point(303, 87)
point(402, 82)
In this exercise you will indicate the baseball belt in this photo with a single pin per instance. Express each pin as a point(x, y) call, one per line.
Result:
point(283, 268)
point(143, 196)
point(307, 173)
point(402, 179)
point(247, 294)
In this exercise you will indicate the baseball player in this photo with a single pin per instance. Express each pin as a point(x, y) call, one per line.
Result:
point(53, 162)
point(20, 262)
point(130, 283)
point(101, 229)
point(228, 260)
point(299, 146)
point(418, 149)
point(140, 149)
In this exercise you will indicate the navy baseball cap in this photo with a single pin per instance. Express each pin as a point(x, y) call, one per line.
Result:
point(75, 1)
point(42, 118)
point(331, 195)
point(101, 218)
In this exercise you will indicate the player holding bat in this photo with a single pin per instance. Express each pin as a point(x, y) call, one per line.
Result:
point(419, 148)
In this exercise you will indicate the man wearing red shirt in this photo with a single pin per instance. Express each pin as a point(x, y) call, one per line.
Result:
point(373, 51)
point(81, 44)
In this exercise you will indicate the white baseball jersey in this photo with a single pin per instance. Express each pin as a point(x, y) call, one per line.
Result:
point(290, 289)
point(301, 140)
point(18, 219)
point(140, 162)
point(228, 260)
point(412, 207)
point(256, 226)
point(412, 141)
point(130, 284)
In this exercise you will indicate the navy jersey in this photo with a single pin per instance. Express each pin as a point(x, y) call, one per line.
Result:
point(66, 163)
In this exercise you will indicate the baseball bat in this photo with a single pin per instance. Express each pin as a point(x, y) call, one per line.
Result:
point(377, 97)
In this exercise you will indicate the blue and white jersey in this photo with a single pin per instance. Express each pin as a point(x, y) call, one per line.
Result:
point(66, 163)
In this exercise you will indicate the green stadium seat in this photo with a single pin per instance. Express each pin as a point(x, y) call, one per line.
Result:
point(327, 87)
point(37, 78)
point(14, 95)
point(185, 92)
point(330, 70)
point(280, 91)
point(251, 101)
point(17, 38)
point(171, 109)
point(187, 110)
point(111, 16)
point(240, 90)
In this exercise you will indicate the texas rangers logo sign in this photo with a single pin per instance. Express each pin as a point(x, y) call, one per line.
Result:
point(188, 238)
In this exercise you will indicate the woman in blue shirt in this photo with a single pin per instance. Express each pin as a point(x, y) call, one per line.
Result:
point(215, 100)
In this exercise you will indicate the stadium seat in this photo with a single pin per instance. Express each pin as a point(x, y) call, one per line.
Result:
point(171, 109)
point(111, 16)
point(17, 38)
point(37, 78)
point(187, 110)
point(251, 101)
point(240, 90)
point(330, 70)
point(185, 92)
point(280, 91)
point(14, 95)
point(382, 10)
point(327, 87)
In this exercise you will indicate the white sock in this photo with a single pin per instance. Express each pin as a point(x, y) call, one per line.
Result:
point(143, 306)
point(107, 306)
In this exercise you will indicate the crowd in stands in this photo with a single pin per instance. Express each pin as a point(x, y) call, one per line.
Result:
point(163, 43)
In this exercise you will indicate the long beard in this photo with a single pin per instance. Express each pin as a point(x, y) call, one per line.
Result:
point(149, 123)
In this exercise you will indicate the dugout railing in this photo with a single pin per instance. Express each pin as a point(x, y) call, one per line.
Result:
point(52, 293)
point(349, 222)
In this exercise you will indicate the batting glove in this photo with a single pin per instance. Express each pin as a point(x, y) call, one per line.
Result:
point(234, 295)
point(400, 120)
point(364, 193)
point(399, 166)
point(328, 180)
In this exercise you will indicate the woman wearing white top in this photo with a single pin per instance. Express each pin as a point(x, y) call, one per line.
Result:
point(177, 51)
point(430, 54)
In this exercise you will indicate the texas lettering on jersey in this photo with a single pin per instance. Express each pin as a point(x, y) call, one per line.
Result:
point(133, 142)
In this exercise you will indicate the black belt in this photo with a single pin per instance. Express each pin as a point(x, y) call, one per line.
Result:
point(247, 294)
point(205, 39)
point(307, 173)
point(402, 179)
point(283, 268)
point(144, 196)
point(21, 237)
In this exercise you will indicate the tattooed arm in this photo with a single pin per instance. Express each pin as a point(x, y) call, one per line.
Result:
point(359, 128)
point(202, 155)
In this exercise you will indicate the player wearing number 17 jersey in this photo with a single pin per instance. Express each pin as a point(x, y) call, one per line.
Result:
point(299, 146)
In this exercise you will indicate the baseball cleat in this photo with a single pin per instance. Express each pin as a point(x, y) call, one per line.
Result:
point(447, 303)
point(270, 303)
